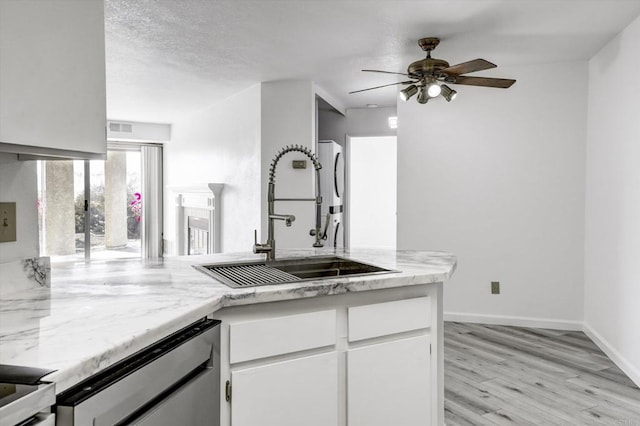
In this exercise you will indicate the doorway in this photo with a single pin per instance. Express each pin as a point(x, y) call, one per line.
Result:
point(372, 192)
point(93, 209)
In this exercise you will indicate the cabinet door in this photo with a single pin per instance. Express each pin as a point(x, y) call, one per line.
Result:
point(298, 392)
point(52, 75)
point(389, 383)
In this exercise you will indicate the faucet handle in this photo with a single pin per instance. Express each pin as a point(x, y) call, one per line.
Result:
point(259, 247)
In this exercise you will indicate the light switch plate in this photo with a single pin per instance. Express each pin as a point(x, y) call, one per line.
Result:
point(495, 287)
point(7, 222)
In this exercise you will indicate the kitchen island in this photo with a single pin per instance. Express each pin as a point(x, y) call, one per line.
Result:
point(97, 314)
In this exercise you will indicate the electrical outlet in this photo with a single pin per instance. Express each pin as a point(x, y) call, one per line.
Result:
point(495, 287)
point(7, 222)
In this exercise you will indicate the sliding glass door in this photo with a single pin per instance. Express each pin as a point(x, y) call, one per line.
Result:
point(94, 209)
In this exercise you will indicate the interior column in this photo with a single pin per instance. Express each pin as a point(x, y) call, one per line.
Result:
point(59, 209)
point(115, 199)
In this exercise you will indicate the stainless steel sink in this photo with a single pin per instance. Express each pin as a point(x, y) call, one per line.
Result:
point(281, 271)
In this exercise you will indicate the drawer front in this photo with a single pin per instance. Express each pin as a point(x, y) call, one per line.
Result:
point(277, 336)
point(382, 319)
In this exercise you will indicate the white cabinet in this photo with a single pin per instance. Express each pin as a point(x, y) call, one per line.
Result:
point(52, 77)
point(368, 359)
point(389, 383)
point(296, 392)
point(274, 378)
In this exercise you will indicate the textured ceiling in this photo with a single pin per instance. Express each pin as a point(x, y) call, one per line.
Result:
point(170, 58)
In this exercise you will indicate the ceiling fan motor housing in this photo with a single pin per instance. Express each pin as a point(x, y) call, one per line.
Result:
point(427, 67)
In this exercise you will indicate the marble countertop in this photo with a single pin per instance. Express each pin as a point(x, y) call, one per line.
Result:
point(95, 314)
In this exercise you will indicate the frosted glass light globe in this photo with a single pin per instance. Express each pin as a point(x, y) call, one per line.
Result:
point(434, 90)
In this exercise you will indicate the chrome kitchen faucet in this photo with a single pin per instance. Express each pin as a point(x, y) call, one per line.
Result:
point(269, 248)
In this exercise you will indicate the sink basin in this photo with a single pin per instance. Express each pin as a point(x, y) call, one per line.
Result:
point(282, 271)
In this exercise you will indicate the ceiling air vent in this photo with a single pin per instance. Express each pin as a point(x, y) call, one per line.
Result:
point(120, 127)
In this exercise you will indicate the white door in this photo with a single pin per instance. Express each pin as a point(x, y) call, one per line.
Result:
point(389, 383)
point(372, 188)
point(298, 392)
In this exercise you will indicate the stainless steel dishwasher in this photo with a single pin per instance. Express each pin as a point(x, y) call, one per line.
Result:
point(175, 381)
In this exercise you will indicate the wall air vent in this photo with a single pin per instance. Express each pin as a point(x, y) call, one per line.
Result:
point(120, 127)
point(136, 131)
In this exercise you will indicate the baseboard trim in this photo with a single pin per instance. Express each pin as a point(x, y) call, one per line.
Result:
point(613, 354)
point(554, 324)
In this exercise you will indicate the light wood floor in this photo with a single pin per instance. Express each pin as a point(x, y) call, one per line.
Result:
point(498, 375)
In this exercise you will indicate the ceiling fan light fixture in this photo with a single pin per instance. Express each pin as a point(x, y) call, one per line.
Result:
point(433, 89)
point(408, 92)
point(423, 97)
point(448, 93)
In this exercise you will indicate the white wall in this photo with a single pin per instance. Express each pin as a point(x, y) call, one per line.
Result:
point(497, 177)
point(373, 184)
point(288, 118)
point(220, 144)
point(234, 143)
point(370, 121)
point(612, 245)
point(18, 183)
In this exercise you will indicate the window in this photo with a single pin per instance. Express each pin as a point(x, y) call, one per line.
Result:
point(94, 209)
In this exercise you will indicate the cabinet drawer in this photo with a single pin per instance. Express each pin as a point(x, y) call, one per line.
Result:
point(386, 318)
point(277, 336)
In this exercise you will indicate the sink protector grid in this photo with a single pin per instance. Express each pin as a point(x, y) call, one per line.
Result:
point(259, 273)
point(240, 276)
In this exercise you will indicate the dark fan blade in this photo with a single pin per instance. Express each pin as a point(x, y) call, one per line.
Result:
point(387, 72)
point(502, 83)
point(378, 87)
point(467, 67)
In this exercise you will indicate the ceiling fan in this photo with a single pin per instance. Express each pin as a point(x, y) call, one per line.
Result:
point(427, 76)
